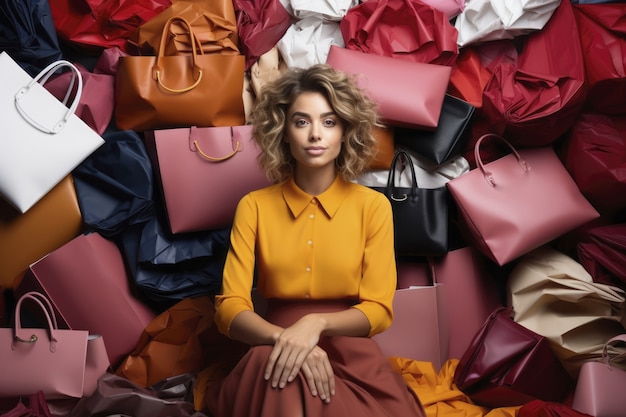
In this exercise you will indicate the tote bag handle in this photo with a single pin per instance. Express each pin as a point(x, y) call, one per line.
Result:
point(157, 71)
point(48, 312)
point(486, 173)
point(43, 76)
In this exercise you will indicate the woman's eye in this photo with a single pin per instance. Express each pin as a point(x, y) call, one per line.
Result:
point(329, 122)
point(301, 122)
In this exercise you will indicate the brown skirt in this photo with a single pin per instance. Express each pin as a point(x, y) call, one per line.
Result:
point(365, 383)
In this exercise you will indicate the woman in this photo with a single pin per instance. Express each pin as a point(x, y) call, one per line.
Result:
point(321, 250)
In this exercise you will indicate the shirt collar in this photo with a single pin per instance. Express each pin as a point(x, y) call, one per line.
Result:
point(329, 200)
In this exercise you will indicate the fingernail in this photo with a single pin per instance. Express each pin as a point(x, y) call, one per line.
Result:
point(282, 385)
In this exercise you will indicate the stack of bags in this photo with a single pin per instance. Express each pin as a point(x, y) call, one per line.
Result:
point(119, 179)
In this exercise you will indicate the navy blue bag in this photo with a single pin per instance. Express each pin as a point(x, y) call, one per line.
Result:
point(114, 185)
point(28, 35)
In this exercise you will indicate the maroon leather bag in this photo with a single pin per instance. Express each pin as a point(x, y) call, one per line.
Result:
point(507, 364)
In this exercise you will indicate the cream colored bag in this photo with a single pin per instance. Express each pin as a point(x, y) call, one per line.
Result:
point(554, 296)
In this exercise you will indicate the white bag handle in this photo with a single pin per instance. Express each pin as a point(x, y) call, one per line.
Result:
point(44, 75)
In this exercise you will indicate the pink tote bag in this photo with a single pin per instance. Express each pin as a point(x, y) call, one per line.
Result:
point(600, 385)
point(204, 172)
point(409, 94)
point(519, 202)
point(58, 362)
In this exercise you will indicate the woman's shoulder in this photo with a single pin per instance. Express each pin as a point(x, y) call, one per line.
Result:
point(368, 194)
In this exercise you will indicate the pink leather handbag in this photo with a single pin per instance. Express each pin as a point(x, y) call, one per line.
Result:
point(409, 94)
point(204, 172)
point(519, 202)
point(600, 386)
point(61, 363)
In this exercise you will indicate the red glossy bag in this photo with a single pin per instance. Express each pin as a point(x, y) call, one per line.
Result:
point(405, 29)
point(507, 364)
point(603, 254)
point(261, 24)
point(594, 152)
point(93, 25)
point(535, 100)
point(602, 31)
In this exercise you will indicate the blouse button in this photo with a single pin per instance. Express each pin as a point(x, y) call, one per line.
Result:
point(307, 296)
point(310, 242)
point(311, 216)
point(308, 269)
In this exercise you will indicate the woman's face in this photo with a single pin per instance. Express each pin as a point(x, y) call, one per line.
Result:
point(314, 132)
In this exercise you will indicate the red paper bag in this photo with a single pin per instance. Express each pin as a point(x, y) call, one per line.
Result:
point(535, 101)
point(405, 29)
point(93, 25)
point(602, 31)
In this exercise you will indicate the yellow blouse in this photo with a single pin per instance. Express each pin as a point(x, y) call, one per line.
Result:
point(333, 246)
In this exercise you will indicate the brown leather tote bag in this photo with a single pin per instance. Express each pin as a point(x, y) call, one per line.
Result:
point(168, 91)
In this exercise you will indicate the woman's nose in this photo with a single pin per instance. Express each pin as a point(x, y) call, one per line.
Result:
point(315, 133)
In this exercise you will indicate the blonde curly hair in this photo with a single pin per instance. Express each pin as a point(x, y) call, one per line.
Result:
point(356, 110)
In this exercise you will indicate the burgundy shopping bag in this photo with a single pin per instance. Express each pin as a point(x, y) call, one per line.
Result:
point(86, 280)
point(536, 99)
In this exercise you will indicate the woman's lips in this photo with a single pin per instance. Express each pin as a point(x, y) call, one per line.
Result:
point(315, 150)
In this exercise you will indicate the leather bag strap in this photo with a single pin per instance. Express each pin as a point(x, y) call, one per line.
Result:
point(48, 311)
point(486, 173)
point(157, 70)
point(391, 179)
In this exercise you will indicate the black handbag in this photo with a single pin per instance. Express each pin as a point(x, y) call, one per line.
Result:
point(420, 215)
point(449, 138)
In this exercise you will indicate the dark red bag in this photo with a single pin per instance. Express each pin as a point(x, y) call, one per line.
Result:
point(92, 25)
point(260, 24)
point(536, 100)
point(603, 254)
point(594, 153)
point(507, 364)
point(34, 405)
point(602, 31)
point(538, 408)
point(403, 29)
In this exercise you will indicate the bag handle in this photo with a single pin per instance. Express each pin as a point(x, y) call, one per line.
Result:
point(486, 173)
point(156, 70)
point(391, 179)
point(44, 75)
point(48, 311)
point(196, 146)
point(607, 357)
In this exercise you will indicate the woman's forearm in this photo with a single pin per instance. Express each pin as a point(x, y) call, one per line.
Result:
point(250, 328)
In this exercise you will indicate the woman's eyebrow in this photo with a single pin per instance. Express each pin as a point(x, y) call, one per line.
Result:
point(303, 114)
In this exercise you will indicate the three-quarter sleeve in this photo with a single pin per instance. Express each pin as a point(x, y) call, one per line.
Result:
point(238, 271)
point(379, 276)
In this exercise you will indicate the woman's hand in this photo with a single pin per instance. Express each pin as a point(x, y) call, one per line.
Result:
point(319, 374)
point(296, 349)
